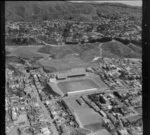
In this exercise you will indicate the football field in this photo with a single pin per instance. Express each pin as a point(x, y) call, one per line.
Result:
point(78, 85)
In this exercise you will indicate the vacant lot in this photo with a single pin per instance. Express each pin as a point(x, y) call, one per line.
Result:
point(77, 85)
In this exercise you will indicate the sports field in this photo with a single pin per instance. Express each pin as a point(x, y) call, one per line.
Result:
point(78, 85)
point(85, 116)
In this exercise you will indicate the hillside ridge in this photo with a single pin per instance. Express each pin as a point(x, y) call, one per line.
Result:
point(36, 10)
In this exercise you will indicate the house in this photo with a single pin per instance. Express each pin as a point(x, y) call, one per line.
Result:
point(103, 113)
point(80, 101)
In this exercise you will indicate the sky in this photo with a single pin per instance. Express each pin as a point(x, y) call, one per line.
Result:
point(128, 2)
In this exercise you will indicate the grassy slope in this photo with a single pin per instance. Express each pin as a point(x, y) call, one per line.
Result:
point(88, 51)
point(13, 59)
point(121, 50)
point(135, 48)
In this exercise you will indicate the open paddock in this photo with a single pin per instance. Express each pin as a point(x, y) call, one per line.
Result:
point(64, 64)
point(25, 52)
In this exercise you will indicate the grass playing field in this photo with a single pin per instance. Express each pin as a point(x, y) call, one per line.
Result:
point(77, 85)
point(85, 116)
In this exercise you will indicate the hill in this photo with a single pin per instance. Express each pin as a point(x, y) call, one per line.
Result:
point(121, 50)
point(36, 22)
point(89, 51)
point(106, 21)
point(37, 10)
point(136, 49)
point(14, 59)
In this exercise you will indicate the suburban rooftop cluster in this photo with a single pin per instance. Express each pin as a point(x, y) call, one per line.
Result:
point(123, 29)
point(35, 106)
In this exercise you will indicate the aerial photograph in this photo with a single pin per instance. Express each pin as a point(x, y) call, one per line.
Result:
point(73, 67)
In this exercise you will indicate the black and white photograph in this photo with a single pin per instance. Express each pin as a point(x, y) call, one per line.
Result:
point(73, 67)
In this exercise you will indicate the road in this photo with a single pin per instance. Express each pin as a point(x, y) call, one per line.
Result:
point(46, 112)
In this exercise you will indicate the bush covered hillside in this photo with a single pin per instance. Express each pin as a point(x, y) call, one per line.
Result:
point(33, 10)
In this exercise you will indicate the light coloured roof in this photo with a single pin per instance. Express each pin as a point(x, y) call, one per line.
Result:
point(87, 116)
point(84, 115)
